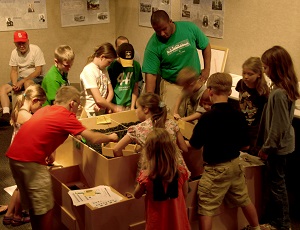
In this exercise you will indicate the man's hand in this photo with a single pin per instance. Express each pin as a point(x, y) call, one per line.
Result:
point(204, 75)
point(262, 155)
point(18, 86)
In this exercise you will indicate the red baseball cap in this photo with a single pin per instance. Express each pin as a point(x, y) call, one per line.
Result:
point(20, 36)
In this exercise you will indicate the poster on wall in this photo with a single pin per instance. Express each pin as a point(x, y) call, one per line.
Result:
point(84, 12)
point(208, 15)
point(148, 6)
point(22, 15)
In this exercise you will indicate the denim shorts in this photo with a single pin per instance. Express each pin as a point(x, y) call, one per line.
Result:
point(37, 80)
point(223, 181)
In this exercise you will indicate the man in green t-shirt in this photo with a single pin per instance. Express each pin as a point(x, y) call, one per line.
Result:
point(173, 46)
point(125, 74)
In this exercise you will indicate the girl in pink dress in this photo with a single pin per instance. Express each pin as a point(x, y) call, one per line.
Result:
point(164, 181)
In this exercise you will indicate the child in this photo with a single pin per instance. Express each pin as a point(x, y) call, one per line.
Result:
point(125, 74)
point(188, 106)
point(95, 82)
point(253, 94)
point(152, 113)
point(164, 182)
point(278, 132)
point(58, 74)
point(26, 104)
point(48, 128)
point(222, 132)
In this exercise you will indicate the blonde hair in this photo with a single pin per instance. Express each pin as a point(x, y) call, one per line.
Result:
point(255, 65)
point(106, 49)
point(186, 76)
point(221, 83)
point(156, 107)
point(65, 94)
point(64, 53)
point(32, 91)
point(282, 72)
point(160, 155)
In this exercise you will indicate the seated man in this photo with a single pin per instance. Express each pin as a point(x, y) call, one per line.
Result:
point(26, 63)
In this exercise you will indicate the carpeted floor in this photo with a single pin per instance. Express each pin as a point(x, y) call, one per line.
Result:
point(6, 180)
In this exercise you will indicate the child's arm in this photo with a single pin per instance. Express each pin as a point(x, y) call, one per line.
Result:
point(117, 150)
point(110, 95)
point(97, 137)
point(194, 116)
point(139, 191)
point(134, 95)
point(176, 108)
point(101, 102)
point(185, 189)
point(181, 142)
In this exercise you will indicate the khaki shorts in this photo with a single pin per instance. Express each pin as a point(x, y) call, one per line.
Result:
point(224, 181)
point(34, 182)
point(169, 93)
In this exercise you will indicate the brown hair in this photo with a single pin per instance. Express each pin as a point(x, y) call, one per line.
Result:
point(156, 107)
point(221, 83)
point(281, 70)
point(186, 76)
point(159, 150)
point(65, 94)
point(106, 49)
point(64, 53)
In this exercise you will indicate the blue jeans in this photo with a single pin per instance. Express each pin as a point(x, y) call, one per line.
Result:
point(278, 208)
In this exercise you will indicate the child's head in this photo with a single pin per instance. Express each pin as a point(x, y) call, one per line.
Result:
point(253, 75)
point(279, 67)
point(205, 101)
point(220, 83)
point(150, 104)
point(103, 55)
point(120, 40)
point(160, 154)
point(69, 97)
point(187, 78)
point(64, 57)
point(34, 96)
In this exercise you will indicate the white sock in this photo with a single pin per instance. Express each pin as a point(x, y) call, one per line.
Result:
point(5, 109)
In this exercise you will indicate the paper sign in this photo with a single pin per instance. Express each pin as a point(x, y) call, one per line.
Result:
point(103, 119)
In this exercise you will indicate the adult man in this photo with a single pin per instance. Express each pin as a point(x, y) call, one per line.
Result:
point(26, 63)
point(173, 46)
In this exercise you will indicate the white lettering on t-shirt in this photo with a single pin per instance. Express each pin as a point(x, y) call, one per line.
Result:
point(126, 81)
point(178, 46)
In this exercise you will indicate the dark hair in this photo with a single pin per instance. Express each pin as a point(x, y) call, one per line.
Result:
point(157, 108)
point(281, 70)
point(158, 16)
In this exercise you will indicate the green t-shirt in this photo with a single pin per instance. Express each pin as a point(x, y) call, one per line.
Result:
point(52, 81)
point(168, 58)
point(123, 80)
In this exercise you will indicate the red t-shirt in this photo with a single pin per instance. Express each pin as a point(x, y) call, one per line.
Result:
point(168, 214)
point(47, 129)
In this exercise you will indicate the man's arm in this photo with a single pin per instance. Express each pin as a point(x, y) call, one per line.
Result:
point(150, 82)
point(134, 95)
point(37, 72)
point(14, 78)
point(206, 53)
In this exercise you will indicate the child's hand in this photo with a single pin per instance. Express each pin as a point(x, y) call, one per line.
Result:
point(177, 116)
point(50, 159)
point(113, 137)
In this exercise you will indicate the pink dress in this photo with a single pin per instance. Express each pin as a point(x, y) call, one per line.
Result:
point(167, 214)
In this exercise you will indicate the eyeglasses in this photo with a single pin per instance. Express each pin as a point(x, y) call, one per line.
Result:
point(77, 102)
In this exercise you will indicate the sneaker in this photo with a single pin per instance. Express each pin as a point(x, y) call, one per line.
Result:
point(267, 227)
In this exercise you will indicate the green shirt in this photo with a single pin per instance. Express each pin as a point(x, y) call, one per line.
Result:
point(52, 81)
point(168, 58)
point(123, 80)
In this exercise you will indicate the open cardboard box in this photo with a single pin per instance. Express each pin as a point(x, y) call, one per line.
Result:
point(120, 215)
point(107, 149)
point(120, 173)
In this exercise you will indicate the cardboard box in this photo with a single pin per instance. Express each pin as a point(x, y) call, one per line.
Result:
point(107, 150)
point(120, 215)
point(120, 173)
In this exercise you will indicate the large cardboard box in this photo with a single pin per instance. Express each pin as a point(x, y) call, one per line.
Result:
point(92, 169)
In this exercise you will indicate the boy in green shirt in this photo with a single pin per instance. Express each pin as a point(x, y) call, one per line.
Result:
point(57, 76)
point(125, 74)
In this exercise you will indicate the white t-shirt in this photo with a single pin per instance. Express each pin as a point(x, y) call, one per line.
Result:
point(28, 61)
point(92, 77)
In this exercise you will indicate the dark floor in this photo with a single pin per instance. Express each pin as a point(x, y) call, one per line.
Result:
point(6, 180)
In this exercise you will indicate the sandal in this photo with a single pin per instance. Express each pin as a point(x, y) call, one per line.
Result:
point(18, 222)
point(3, 209)
point(7, 220)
